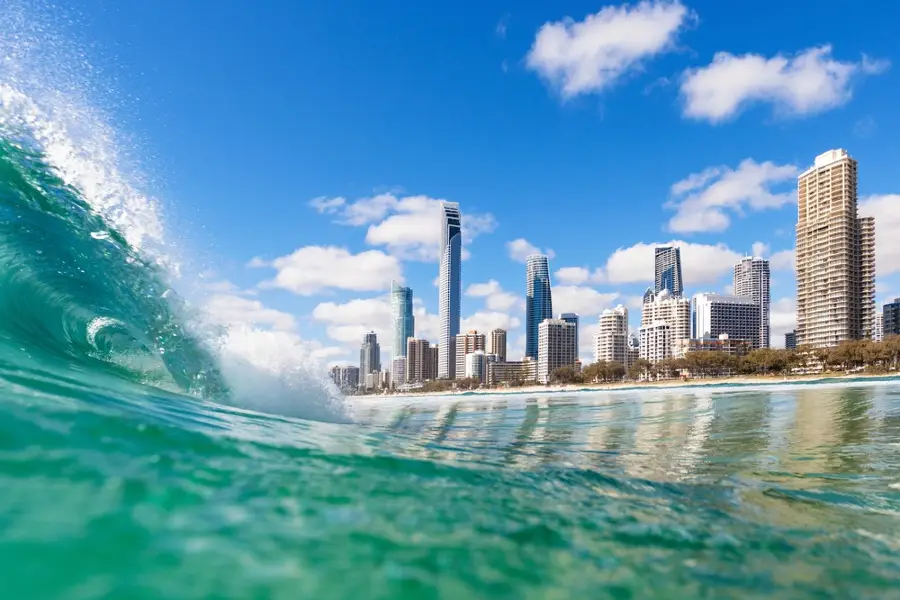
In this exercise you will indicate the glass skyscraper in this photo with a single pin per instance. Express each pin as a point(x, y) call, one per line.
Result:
point(573, 319)
point(668, 270)
point(449, 289)
point(538, 300)
point(402, 320)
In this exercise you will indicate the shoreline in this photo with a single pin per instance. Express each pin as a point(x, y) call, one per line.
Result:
point(739, 381)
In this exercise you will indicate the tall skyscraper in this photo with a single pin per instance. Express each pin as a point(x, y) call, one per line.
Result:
point(419, 361)
point(497, 344)
point(835, 255)
point(611, 342)
point(573, 319)
point(735, 316)
point(403, 323)
point(369, 355)
point(538, 300)
point(556, 345)
point(467, 343)
point(450, 288)
point(751, 280)
point(890, 316)
point(668, 270)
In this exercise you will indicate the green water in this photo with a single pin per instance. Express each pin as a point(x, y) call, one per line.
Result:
point(778, 493)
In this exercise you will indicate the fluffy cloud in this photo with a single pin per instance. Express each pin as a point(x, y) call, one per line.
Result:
point(230, 309)
point(350, 321)
point(406, 226)
point(520, 249)
point(580, 57)
point(703, 200)
point(313, 269)
point(495, 298)
point(782, 319)
point(886, 211)
point(582, 300)
point(578, 276)
point(701, 263)
point(485, 321)
point(782, 260)
point(810, 82)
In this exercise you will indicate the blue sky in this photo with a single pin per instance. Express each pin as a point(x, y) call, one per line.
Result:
point(300, 147)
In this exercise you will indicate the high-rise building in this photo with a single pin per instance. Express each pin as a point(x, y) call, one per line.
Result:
point(449, 288)
point(477, 364)
point(538, 300)
point(656, 341)
point(497, 344)
point(512, 372)
point(835, 255)
point(556, 345)
point(419, 365)
point(398, 369)
point(573, 319)
point(716, 314)
point(433, 355)
point(335, 375)
point(403, 323)
point(466, 343)
point(349, 378)
point(751, 280)
point(675, 311)
point(790, 340)
point(890, 314)
point(878, 332)
point(633, 351)
point(370, 355)
point(668, 270)
point(611, 341)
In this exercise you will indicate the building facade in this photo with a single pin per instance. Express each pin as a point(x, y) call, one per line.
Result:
point(497, 344)
point(403, 323)
point(512, 373)
point(449, 288)
point(790, 340)
point(477, 365)
point(369, 355)
point(398, 368)
point(668, 270)
point(675, 311)
point(349, 378)
point(419, 365)
point(467, 343)
point(538, 300)
point(574, 320)
point(737, 317)
point(835, 255)
point(721, 343)
point(890, 315)
point(556, 345)
point(656, 342)
point(611, 341)
point(752, 280)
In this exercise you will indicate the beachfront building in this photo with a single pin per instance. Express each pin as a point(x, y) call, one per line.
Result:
point(790, 340)
point(349, 378)
point(722, 343)
point(449, 288)
point(835, 255)
point(573, 319)
point(538, 300)
point(512, 373)
point(675, 311)
point(656, 341)
point(611, 341)
point(717, 314)
point(497, 344)
point(890, 316)
point(403, 323)
point(369, 355)
point(419, 361)
point(752, 280)
point(398, 368)
point(466, 343)
point(667, 271)
point(556, 347)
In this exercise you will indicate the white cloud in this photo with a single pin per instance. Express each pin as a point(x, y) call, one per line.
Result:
point(348, 322)
point(313, 269)
point(495, 298)
point(886, 211)
point(578, 276)
point(485, 321)
point(761, 249)
point(701, 263)
point(580, 57)
point(702, 201)
point(520, 249)
point(782, 319)
point(585, 301)
point(810, 82)
point(783, 260)
point(502, 26)
point(325, 205)
point(407, 226)
point(230, 309)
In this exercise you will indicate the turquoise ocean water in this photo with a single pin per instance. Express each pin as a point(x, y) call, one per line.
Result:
point(149, 450)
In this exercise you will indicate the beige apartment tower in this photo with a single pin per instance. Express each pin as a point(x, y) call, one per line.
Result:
point(835, 255)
